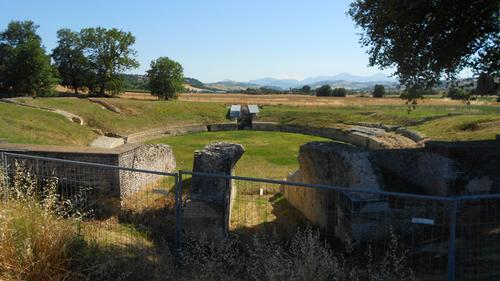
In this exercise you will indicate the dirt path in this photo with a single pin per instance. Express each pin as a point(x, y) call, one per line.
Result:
point(99, 142)
point(68, 115)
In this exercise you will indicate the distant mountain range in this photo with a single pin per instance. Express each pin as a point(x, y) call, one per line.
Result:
point(344, 80)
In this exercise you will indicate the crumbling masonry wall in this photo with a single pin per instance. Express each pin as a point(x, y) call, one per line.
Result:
point(211, 199)
point(444, 169)
point(106, 182)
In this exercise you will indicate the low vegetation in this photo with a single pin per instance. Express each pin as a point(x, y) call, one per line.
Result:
point(38, 232)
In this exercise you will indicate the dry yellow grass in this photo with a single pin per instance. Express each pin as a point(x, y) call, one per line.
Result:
point(301, 100)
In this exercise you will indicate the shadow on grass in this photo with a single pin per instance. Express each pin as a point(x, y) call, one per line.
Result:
point(97, 263)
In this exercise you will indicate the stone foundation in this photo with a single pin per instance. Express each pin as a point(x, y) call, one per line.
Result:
point(107, 182)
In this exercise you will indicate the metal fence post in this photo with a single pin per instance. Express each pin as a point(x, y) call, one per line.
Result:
point(5, 175)
point(178, 218)
point(452, 241)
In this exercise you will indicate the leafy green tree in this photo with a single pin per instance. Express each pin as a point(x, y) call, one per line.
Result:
point(165, 78)
point(306, 89)
point(24, 66)
point(486, 85)
point(426, 40)
point(378, 91)
point(456, 93)
point(109, 53)
point(73, 66)
point(324, 91)
point(339, 92)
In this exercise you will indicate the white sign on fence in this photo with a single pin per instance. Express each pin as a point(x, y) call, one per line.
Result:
point(422, 221)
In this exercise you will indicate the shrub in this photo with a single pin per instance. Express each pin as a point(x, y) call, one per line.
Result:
point(456, 93)
point(306, 256)
point(339, 92)
point(324, 91)
point(378, 91)
point(36, 236)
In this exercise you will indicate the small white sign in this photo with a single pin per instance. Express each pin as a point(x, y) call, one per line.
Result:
point(422, 221)
point(261, 191)
point(160, 191)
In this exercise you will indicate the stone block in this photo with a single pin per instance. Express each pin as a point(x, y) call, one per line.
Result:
point(212, 197)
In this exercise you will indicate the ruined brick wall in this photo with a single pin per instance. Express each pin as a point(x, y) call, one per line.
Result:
point(106, 182)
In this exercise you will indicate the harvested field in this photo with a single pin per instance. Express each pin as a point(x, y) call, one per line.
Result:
point(138, 96)
point(301, 100)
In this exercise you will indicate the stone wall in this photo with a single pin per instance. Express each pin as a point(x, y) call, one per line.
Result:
point(156, 157)
point(166, 131)
point(371, 138)
point(374, 137)
point(444, 169)
point(103, 181)
point(337, 212)
point(222, 127)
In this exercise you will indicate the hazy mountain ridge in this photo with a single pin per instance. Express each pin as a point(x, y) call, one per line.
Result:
point(344, 80)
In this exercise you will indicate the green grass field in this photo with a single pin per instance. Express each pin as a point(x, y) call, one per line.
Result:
point(268, 154)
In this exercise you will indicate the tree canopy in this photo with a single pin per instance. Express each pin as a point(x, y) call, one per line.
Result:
point(339, 92)
point(165, 78)
point(24, 66)
point(378, 91)
point(73, 66)
point(324, 91)
point(426, 40)
point(109, 53)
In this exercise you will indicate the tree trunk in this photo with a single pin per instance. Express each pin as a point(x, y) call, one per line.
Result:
point(101, 89)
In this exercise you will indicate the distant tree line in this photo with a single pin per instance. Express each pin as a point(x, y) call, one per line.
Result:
point(327, 91)
point(92, 60)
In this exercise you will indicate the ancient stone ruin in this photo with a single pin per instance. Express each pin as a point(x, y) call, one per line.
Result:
point(110, 183)
point(208, 210)
point(440, 168)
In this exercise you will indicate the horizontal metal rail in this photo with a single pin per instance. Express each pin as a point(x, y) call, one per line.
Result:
point(90, 164)
point(324, 186)
point(270, 181)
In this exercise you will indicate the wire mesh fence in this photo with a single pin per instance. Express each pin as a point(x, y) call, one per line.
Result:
point(440, 238)
point(478, 238)
point(122, 212)
point(140, 214)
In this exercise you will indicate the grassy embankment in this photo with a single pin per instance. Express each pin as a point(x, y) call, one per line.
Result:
point(466, 123)
point(458, 122)
point(27, 125)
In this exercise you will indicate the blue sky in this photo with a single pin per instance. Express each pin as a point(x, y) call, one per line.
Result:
point(216, 39)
